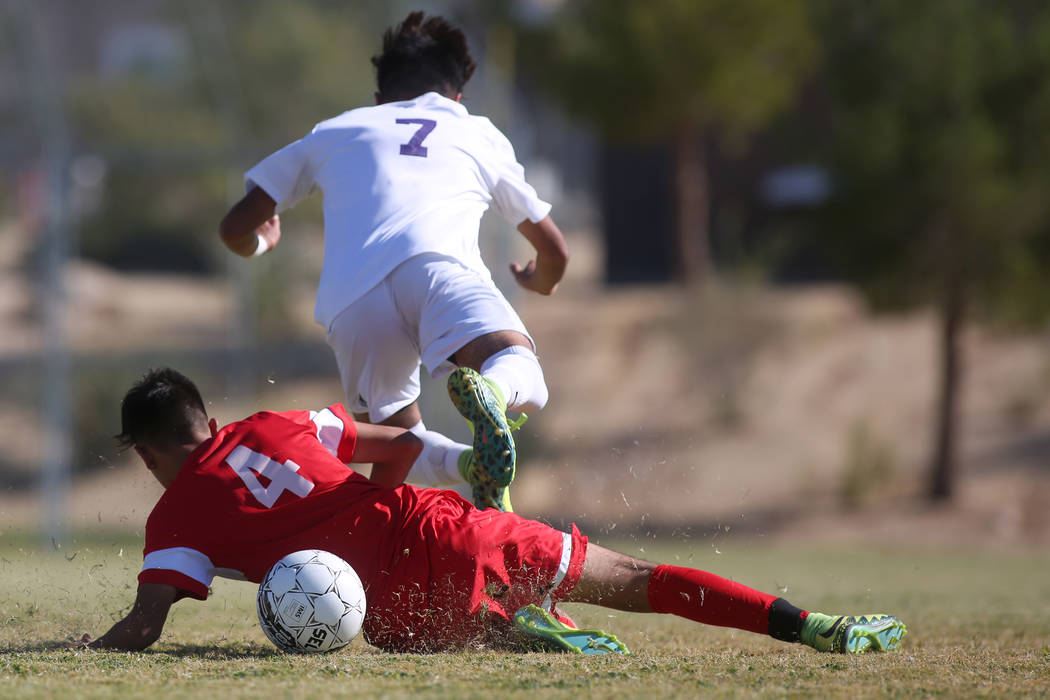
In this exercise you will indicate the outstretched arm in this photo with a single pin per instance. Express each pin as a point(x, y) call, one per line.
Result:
point(392, 451)
point(143, 624)
point(251, 227)
point(552, 256)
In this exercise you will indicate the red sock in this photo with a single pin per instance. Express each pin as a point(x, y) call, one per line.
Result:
point(708, 598)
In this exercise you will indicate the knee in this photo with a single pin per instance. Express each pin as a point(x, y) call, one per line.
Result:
point(539, 396)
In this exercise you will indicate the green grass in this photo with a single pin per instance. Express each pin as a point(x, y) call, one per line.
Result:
point(979, 626)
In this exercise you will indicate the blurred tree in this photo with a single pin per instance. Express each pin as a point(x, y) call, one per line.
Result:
point(940, 150)
point(684, 69)
point(252, 77)
point(175, 128)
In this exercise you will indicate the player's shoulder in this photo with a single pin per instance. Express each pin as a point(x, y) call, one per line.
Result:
point(269, 420)
point(345, 119)
point(491, 134)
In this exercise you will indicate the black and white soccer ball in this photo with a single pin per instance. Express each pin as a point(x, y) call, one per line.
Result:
point(311, 601)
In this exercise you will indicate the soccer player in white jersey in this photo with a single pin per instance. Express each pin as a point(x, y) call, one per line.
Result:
point(405, 184)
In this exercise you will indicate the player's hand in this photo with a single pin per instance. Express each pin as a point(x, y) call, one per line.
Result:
point(270, 231)
point(532, 278)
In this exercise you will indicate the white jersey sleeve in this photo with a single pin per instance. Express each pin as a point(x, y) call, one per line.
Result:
point(513, 197)
point(287, 175)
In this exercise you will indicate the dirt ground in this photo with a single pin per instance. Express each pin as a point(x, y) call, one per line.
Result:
point(775, 413)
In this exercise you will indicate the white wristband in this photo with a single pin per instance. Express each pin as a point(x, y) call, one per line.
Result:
point(261, 247)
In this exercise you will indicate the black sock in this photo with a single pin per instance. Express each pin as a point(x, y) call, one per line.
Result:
point(785, 621)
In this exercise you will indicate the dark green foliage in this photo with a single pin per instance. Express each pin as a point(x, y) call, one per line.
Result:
point(940, 150)
point(643, 69)
point(257, 75)
point(678, 72)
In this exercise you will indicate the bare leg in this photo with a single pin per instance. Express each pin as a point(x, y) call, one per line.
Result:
point(613, 580)
point(406, 418)
point(474, 353)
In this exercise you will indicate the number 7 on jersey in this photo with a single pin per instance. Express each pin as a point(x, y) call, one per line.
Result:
point(415, 146)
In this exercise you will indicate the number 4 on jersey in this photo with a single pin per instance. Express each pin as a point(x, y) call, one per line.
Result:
point(283, 476)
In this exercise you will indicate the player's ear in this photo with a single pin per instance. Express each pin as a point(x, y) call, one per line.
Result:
point(213, 426)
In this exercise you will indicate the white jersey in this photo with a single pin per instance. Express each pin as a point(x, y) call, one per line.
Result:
point(398, 180)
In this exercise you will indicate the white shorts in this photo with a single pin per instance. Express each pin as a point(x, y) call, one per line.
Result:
point(425, 310)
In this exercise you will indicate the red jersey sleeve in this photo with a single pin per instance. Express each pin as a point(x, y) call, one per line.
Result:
point(334, 427)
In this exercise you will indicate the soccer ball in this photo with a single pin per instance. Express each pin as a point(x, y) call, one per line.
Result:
point(311, 601)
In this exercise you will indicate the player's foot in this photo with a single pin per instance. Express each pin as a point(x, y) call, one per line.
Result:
point(481, 403)
point(546, 632)
point(853, 634)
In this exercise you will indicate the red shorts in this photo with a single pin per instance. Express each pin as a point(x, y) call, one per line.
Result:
point(461, 573)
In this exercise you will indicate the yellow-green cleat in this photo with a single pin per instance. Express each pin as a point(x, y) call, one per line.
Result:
point(486, 495)
point(547, 633)
point(490, 465)
point(853, 634)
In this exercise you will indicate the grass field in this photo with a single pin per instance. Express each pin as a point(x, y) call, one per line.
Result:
point(979, 626)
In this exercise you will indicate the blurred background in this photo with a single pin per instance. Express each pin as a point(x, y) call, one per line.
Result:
point(808, 293)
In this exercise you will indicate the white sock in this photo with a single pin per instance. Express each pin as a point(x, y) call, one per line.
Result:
point(438, 463)
point(516, 371)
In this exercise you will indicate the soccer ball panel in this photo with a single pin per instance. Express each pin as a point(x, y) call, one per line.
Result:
point(350, 623)
point(314, 577)
point(328, 608)
point(348, 586)
point(281, 580)
point(330, 560)
point(295, 610)
point(318, 638)
point(300, 557)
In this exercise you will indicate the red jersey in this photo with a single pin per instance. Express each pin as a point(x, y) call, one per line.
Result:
point(261, 488)
point(435, 569)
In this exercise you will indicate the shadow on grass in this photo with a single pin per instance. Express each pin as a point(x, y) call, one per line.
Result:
point(229, 650)
point(212, 652)
point(6, 649)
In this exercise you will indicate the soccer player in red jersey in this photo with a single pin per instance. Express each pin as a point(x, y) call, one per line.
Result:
point(438, 573)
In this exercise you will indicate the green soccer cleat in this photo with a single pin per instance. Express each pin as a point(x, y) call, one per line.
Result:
point(548, 634)
point(492, 461)
point(849, 634)
point(486, 495)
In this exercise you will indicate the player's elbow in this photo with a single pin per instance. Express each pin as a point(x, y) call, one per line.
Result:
point(229, 230)
point(560, 257)
point(409, 447)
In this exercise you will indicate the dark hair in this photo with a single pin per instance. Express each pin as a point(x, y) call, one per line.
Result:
point(422, 56)
point(164, 407)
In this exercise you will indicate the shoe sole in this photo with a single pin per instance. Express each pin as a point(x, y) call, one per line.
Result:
point(493, 445)
point(884, 635)
point(553, 635)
